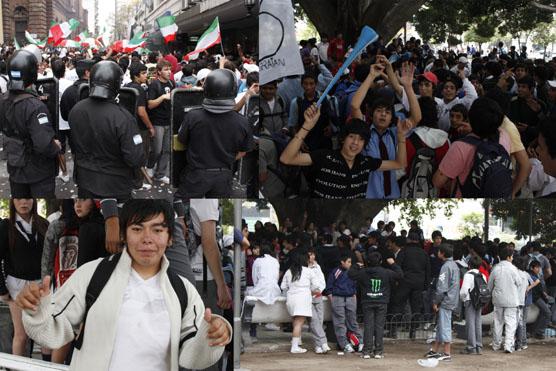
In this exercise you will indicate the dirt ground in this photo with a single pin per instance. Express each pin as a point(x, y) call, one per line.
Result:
point(271, 353)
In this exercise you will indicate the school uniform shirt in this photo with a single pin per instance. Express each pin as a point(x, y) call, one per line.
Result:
point(265, 274)
point(332, 178)
point(298, 293)
point(444, 108)
point(375, 186)
point(202, 210)
point(59, 315)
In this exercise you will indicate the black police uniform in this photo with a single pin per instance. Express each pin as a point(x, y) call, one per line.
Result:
point(32, 153)
point(107, 147)
point(212, 142)
point(70, 98)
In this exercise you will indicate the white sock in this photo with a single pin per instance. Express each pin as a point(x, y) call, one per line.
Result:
point(295, 342)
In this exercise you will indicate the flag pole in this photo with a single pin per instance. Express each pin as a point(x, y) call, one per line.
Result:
point(222, 47)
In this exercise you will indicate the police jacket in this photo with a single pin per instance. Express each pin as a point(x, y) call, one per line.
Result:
point(107, 147)
point(29, 144)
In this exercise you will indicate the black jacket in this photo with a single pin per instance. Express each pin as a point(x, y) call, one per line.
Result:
point(24, 261)
point(416, 266)
point(27, 121)
point(70, 98)
point(375, 282)
point(91, 239)
point(107, 147)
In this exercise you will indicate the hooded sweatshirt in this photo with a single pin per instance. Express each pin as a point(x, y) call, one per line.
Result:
point(435, 139)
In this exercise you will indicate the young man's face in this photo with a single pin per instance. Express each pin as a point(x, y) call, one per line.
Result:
point(268, 91)
point(346, 264)
point(426, 88)
point(353, 144)
point(548, 162)
point(552, 94)
point(382, 117)
point(536, 270)
point(523, 91)
point(142, 78)
point(165, 73)
point(520, 72)
point(309, 86)
point(456, 119)
point(449, 91)
point(147, 241)
point(437, 240)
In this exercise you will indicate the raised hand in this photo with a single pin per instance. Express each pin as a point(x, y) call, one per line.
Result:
point(218, 333)
point(311, 116)
point(406, 74)
point(30, 296)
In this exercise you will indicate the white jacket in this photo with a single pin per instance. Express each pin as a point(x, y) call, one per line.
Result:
point(59, 316)
point(266, 273)
point(468, 284)
point(503, 283)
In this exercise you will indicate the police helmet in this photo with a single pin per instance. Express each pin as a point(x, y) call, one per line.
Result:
point(106, 79)
point(22, 70)
point(220, 87)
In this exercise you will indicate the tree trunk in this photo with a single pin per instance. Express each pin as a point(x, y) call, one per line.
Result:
point(325, 212)
point(386, 17)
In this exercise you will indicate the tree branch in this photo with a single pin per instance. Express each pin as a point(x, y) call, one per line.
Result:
point(549, 8)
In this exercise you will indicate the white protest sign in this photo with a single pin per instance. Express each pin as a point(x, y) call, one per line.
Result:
point(278, 50)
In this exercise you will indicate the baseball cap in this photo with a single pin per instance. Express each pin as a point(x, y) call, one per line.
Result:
point(429, 76)
point(250, 67)
point(463, 60)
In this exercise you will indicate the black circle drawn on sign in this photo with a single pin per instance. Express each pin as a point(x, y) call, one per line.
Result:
point(281, 39)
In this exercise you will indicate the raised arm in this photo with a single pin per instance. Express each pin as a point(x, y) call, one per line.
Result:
point(406, 79)
point(359, 96)
point(292, 154)
point(401, 157)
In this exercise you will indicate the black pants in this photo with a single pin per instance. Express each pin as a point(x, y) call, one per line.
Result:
point(43, 189)
point(201, 183)
point(374, 316)
point(415, 297)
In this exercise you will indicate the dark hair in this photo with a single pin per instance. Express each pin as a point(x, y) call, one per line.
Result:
point(374, 259)
point(83, 65)
point(344, 256)
point(400, 241)
point(534, 264)
point(135, 69)
point(266, 249)
point(252, 78)
point(362, 71)
point(497, 95)
point(527, 80)
point(38, 223)
point(461, 109)
point(475, 262)
point(355, 126)
point(299, 260)
point(58, 68)
point(504, 252)
point(382, 102)
point(308, 76)
point(447, 250)
point(429, 112)
point(436, 234)
point(187, 69)
point(152, 57)
point(485, 117)
point(123, 63)
point(548, 131)
point(140, 210)
point(163, 63)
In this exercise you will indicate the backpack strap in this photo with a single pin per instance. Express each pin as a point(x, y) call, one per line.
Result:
point(299, 101)
point(96, 285)
point(179, 288)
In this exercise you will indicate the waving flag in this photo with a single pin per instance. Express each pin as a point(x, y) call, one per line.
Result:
point(82, 36)
point(168, 27)
point(207, 40)
point(68, 43)
point(104, 37)
point(61, 31)
point(31, 40)
point(133, 44)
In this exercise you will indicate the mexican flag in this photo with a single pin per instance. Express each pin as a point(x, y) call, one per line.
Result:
point(31, 40)
point(104, 37)
point(210, 38)
point(133, 44)
point(168, 27)
point(61, 30)
point(82, 36)
point(68, 43)
point(89, 42)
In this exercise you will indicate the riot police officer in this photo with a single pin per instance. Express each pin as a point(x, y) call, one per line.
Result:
point(106, 139)
point(214, 137)
point(29, 132)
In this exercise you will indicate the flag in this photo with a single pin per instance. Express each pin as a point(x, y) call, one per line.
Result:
point(207, 40)
point(68, 43)
point(134, 44)
point(30, 38)
point(278, 50)
point(16, 44)
point(89, 42)
point(104, 37)
point(82, 36)
point(61, 30)
point(168, 27)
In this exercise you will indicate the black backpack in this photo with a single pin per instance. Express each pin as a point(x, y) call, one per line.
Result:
point(491, 174)
point(101, 276)
point(418, 183)
point(480, 295)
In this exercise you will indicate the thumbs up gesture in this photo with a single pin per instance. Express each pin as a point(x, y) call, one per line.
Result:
point(30, 296)
point(218, 332)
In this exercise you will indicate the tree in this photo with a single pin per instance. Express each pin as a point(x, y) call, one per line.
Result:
point(472, 224)
point(354, 212)
point(386, 17)
point(518, 212)
point(544, 35)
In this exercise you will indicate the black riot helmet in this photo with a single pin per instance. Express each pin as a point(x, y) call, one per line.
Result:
point(106, 79)
point(220, 87)
point(22, 70)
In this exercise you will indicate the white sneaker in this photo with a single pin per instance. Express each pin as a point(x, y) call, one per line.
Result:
point(146, 186)
point(378, 356)
point(348, 349)
point(272, 327)
point(319, 350)
point(325, 347)
point(65, 178)
point(164, 180)
point(298, 350)
point(150, 172)
point(360, 347)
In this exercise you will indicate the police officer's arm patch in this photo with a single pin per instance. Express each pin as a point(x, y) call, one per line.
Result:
point(42, 118)
point(137, 139)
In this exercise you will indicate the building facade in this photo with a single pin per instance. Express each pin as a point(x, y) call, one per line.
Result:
point(35, 16)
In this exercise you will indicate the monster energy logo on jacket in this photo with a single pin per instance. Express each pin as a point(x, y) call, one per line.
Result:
point(375, 288)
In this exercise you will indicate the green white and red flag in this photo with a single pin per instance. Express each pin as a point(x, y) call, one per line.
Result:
point(69, 43)
point(168, 27)
point(32, 40)
point(207, 40)
point(61, 31)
